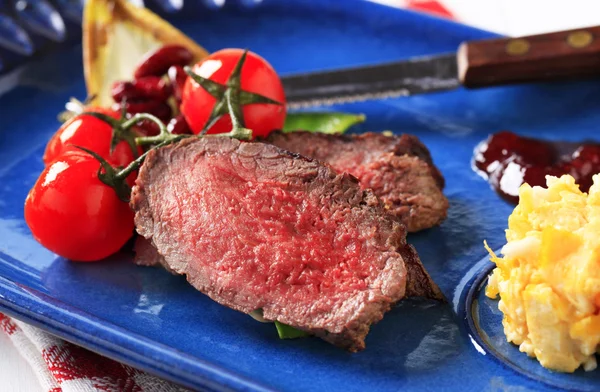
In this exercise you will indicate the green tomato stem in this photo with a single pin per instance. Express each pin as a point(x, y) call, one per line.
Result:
point(134, 165)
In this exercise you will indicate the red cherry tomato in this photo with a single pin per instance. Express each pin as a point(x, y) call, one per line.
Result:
point(257, 77)
point(72, 213)
point(91, 133)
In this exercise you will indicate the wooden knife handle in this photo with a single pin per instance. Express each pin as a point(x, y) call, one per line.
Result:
point(555, 56)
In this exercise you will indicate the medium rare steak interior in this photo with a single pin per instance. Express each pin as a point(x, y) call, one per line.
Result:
point(398, 169)
point(256, 227)
point(418, 281)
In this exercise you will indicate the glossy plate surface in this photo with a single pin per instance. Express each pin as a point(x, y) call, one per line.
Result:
point(155, 321)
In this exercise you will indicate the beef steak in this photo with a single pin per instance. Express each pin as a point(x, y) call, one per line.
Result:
point(418, 281)
point(256, 227)
point(398, 169)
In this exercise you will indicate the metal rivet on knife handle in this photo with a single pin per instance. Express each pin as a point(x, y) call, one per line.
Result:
point(563, 55)
point(580, 39)
point(517, 47)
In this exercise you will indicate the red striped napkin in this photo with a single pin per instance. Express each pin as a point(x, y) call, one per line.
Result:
point(64, 367)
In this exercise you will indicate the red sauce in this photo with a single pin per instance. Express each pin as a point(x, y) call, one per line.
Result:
point(508, 160)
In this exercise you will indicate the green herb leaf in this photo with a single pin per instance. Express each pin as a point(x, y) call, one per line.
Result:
point(287, 332)
point(323, 122)
point(258, 316)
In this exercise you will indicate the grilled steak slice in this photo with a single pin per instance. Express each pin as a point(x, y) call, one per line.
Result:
point(398, 169)
point(147, 255)
point(418, 281)
point(256, 227)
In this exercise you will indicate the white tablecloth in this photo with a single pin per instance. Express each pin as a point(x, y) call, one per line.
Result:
point(15, 373)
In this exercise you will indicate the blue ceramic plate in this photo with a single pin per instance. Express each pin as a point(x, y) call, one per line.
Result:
point(155, 321)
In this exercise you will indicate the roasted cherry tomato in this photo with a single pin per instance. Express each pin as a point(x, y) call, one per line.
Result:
point(72, 213)
point(91, 133)
point(257, 77)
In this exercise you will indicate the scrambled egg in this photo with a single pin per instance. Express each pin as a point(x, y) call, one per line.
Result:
point(549, 277)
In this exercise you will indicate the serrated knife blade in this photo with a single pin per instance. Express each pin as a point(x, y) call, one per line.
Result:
point(413, 76)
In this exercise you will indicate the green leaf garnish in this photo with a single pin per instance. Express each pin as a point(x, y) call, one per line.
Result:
point(287, 332)
point(323, 122)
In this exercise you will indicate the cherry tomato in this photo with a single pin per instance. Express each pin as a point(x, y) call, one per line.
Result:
point(257, 77)
point(91, 133)
point(72, 213)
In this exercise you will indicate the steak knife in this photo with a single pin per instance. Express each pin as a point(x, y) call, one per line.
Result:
point(546, 57)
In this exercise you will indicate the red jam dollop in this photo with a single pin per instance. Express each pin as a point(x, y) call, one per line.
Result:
point(508, 160)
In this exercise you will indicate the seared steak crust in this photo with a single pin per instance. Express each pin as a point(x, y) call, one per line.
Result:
point(398, 169)
point(256, 227)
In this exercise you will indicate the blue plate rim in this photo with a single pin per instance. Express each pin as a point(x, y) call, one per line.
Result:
point(25, 305)
point(468, 306)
